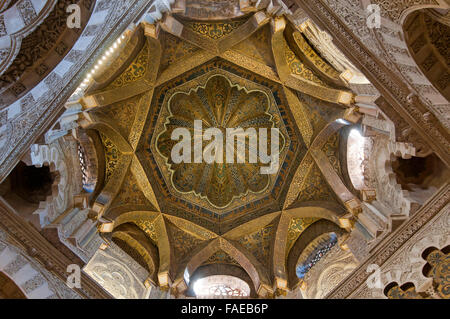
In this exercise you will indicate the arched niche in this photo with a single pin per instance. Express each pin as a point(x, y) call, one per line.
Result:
point(44, 193)
point(315, 250)
point(27, 186)
point(317, 229)
point(427, 34)
point(323, 265)
point(133, 241)
point(420, 176)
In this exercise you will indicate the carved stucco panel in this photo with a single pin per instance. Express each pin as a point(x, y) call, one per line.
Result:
point(118, 273)
point(328, 273)
point(388, 44)
point(407, 263)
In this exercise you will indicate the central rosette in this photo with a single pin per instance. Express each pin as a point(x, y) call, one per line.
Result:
point(221, 105)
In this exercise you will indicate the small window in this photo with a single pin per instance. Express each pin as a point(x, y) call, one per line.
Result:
point(355, 158)
point(221, 286)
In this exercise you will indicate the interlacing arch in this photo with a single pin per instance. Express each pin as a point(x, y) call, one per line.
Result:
point(173, 272)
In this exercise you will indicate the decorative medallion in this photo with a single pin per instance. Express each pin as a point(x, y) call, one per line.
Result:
point(218, 100)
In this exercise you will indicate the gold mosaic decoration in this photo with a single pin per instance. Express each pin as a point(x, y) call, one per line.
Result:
point(301, 116)
point(257, 47)
point(122, 113)
point(296, 227)
point(112, 155)
point(331, 150)
point(309, 52)
point(175, 50)
point(223, 93)
point(315, 188)
point(259, 243)
point(298, 180)
point(131, 194)
point(149, 228)
point(135, 71)
point(221, 257)
point(183, 243)
point(214, 30)
point(315, 118)
point(299, 68)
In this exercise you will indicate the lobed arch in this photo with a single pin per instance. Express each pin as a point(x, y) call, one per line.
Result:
point(411, 261)
point(436, 263)
point(58, 166)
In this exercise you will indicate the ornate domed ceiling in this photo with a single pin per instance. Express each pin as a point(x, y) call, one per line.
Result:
point(219, 101)
point(223, 147)
point(253, 71)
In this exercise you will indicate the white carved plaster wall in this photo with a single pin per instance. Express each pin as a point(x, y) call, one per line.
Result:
point(324, 276)
point(118, 273)
point(60, 211)
point(388, 43)
point(406, 264)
